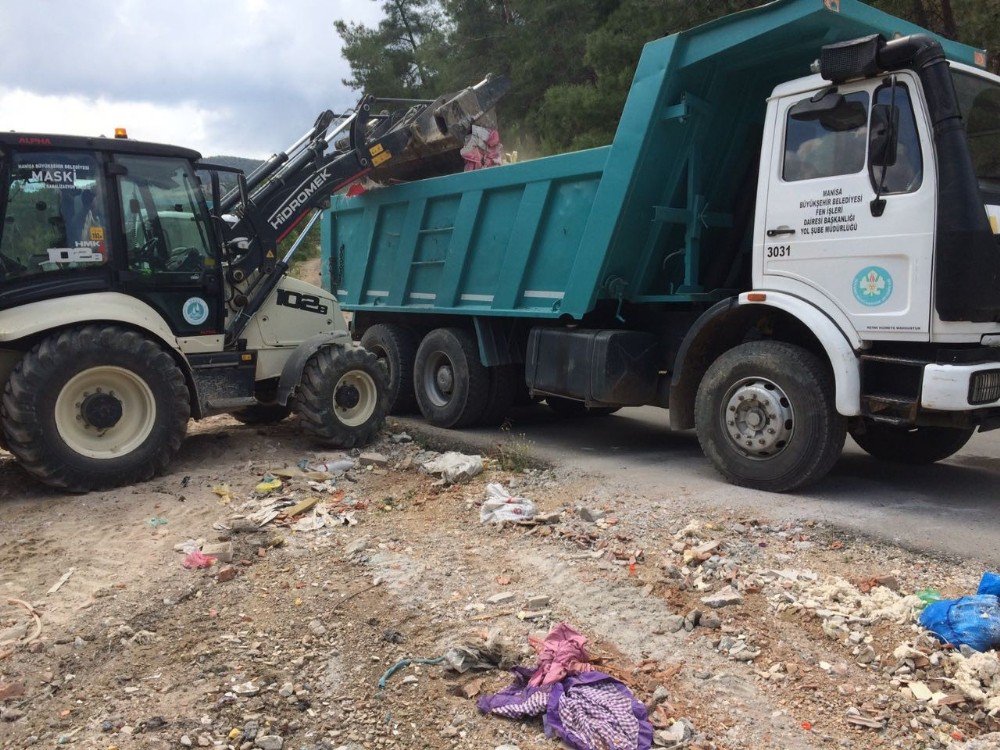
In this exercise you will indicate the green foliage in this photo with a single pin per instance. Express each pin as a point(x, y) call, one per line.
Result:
point(571, 62)
point(399, 57)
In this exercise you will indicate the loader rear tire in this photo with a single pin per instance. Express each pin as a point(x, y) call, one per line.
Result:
point(913, 447)
point(341, 398)
point(396, 348)
point(95, 407)
point(452, 385)
point(261, 414)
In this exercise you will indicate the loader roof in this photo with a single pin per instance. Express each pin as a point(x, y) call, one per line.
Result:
point(101, 143)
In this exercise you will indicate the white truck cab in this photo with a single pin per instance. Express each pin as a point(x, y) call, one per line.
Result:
point(854, 235)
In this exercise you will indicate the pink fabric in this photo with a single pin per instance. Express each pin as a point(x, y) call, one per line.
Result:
point(198, 559)
point(560, 653)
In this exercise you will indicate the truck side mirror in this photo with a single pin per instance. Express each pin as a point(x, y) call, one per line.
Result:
point(883, 137)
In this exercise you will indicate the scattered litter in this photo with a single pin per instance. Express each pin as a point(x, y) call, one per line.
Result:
point(270, 484)
point(582, 707)
point(197, 559)
point(971, 620)
point(224, 492)
point(454, 467)
point(156, 522)
point(403, 664)
point(401, 437)
point(500, 506)
point(301, 507)
point(329, 465)
point(928, 596)
point(223, 551)
point(493, 652)
point(59, 584)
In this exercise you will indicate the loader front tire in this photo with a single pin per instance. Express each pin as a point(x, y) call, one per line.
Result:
point(341, 398)
point(396, 348)
point(766, 416)
point(95, 407)
point(452, 385)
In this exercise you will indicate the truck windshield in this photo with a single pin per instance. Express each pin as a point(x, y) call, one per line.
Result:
point(979, 99)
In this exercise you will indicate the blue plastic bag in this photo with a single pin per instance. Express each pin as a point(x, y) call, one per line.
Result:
point(990, 584)
point(971, 620)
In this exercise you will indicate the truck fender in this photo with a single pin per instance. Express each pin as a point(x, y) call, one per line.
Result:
point(291, 373)
point(111, 307)
point(725, 325)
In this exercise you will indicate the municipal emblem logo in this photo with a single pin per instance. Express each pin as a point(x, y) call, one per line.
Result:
point(195, 311)
point(872, 286)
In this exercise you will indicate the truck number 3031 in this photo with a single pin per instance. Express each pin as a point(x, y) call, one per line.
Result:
point(779, 251)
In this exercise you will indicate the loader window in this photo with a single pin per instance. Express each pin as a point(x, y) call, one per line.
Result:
point(164, 215)
point(56, 213)
point(818, 148)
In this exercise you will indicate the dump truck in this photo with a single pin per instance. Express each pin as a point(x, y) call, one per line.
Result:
point(792, 236)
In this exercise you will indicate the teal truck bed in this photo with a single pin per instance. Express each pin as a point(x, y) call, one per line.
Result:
point(659, 216)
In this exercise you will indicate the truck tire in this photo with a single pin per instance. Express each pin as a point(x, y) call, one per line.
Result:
point(766, 416)
point(569, 407)
point(261, 414)
point(451, 384)
point(95, 407)
point(915, 447)
point(504, 382)
point(341, 398)
point(396, 348)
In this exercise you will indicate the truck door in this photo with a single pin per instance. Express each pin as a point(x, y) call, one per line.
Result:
point(172, 258)
point(823, 240)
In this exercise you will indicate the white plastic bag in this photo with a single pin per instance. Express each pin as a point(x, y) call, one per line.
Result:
point(501, 506)
point(455, 467)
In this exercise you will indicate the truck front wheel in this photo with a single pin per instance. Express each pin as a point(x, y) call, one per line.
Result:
point(915, 446)
point(341, 398)
point(766, 416)
point(452, 385)
point(95, 407)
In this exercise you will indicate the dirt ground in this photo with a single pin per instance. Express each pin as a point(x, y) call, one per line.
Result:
point(284, 646)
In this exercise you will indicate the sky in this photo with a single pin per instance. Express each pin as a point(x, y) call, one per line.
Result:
point(236, 78)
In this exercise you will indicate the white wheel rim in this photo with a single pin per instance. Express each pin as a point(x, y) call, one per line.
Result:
point(138, 412)
point(349, 412)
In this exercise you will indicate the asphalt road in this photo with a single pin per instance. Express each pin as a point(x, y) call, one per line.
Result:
point(949, 508)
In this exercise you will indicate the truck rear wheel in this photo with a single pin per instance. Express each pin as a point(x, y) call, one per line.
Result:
point(396, 348)
point(95, 407)
point(914, 446)
point(766, 416)
point(504, 383)
point(341, 397)
point(452, 385)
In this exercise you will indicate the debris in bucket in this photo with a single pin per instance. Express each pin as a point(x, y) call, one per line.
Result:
point(583, 707)
point(454, 467)
point(501, 506)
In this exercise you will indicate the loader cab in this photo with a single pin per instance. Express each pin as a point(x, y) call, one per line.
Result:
point(84, 215)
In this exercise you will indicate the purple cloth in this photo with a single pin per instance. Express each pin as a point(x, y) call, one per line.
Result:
point(588, 711)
